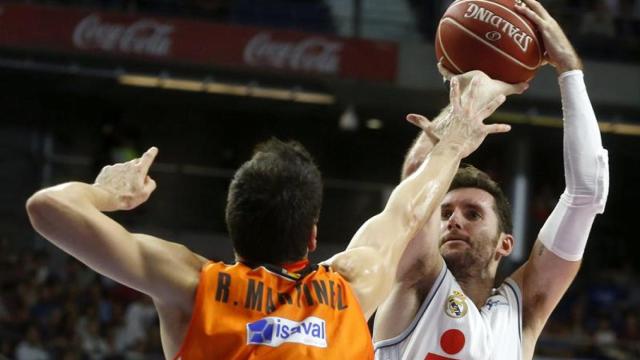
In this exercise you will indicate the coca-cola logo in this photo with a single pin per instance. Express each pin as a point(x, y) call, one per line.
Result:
point(142, 37)
point(314, 54)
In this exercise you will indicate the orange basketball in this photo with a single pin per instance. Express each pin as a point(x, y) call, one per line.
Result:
point(489, 35)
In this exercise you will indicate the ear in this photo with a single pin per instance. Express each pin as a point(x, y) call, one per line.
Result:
point(505, 245)
point(313, 239)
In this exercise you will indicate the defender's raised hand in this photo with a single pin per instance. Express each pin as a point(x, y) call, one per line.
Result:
point(491, 89)
point(128, 183)
point(469, 110)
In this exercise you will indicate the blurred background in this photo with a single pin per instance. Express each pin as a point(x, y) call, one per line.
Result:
point(85, 83)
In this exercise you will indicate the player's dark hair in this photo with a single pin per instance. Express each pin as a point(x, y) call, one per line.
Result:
point(273, 203)
point(469, 176)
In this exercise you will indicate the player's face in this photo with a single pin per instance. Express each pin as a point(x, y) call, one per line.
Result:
point(469, 229)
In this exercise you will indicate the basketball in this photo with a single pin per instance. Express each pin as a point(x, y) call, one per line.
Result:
point(489, 35)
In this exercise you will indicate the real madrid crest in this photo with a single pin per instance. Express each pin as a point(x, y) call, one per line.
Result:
point(456, 305)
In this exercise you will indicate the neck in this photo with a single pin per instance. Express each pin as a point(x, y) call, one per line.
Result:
point(476, 285)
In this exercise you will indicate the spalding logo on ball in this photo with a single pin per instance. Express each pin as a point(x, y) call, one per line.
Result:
point(489, 35)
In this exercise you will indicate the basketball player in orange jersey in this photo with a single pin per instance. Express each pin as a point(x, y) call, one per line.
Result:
point(270, 304)
point(443, 304)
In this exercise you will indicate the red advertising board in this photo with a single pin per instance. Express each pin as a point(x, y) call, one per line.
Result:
point(190, 41)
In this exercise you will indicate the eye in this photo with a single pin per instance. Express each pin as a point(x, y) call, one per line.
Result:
point(473, 215)
point(445, 214)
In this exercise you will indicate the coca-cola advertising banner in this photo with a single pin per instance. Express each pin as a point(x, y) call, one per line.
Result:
point(190, 41)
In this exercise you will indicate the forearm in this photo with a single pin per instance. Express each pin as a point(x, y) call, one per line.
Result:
point(79, 193)
point(421, 147)
point(585, 160)
point(69, 213)
point(424, 143)
point(373, 254)
point(586, 169)
point(416, 198)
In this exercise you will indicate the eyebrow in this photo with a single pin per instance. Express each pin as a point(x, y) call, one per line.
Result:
point(465, 205)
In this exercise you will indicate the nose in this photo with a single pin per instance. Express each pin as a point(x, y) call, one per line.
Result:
point(454, 221)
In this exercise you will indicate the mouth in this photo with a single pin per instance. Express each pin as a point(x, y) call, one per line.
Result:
point(455, 239)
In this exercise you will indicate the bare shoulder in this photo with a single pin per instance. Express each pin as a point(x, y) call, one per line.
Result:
point(355, 262)
point(363, 267)
point(173, 271)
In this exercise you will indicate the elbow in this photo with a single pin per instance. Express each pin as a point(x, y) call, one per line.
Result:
point(48, 215)
point(46, 207)
point(37, 205)
point(591, 189)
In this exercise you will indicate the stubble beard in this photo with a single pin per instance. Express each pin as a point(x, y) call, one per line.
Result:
point(471, 262)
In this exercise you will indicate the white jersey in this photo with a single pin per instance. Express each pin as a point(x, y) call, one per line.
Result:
point(449, 326)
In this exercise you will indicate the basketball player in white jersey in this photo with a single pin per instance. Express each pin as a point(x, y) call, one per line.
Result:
point(443, 304)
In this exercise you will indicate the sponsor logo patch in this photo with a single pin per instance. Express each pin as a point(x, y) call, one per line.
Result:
point(492, 303)
point(274, 331)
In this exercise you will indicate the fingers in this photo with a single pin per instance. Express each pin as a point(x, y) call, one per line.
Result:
point(475, 85)
point(498, 128)
point(454, 94)
point(492, 106)
point(425, 124)
point(149, 184)
point(516, 88)
point(446, 74)
point(147, 159)
point(419, 121)
point(536, 7)
point(530, 14)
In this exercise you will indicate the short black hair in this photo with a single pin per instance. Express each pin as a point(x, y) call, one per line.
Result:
point(273, 203)
point(469, 176)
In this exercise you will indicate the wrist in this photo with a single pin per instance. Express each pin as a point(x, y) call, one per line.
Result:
point(425, 144)
point(79, 194)
point(102, 198)
point(441, 123)
point(571, 65)
point(450, 147)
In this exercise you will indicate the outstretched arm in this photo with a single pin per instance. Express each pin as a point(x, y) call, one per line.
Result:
point(428, 253)
point(71, 217)
point(371, 259)
point(555, 259)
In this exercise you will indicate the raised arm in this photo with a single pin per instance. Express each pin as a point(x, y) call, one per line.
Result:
point(555, 258)
point(71, 217)
point(370, 261)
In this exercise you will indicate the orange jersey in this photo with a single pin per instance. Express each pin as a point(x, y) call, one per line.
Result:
point(265, 312)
